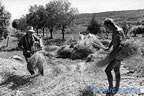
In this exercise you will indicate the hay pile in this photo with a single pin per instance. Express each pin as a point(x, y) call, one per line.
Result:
point(85, 47)
point(37, 60)
point(136, 30)
point(64, 52)
point(81, 50)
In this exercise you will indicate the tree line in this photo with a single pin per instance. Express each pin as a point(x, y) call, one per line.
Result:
point(55, 15)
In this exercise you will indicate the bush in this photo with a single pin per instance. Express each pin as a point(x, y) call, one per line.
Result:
point(94, 26)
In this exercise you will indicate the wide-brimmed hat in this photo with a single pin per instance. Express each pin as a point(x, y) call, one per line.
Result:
point(30, 29)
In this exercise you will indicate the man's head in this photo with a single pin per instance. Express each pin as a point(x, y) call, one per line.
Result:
point(109, 24)
point(30, 30)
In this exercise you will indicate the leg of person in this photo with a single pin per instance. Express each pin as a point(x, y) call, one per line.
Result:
point(40, 68)
point(30, 68)
point(117, 76)
point(26, 55)
point(29, 65)
point(109, 76)
point(26, 59)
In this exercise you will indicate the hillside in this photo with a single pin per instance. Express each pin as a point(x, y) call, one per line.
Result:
point(129, 16)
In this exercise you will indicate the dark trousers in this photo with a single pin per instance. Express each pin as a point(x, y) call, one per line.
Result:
point(27, 55)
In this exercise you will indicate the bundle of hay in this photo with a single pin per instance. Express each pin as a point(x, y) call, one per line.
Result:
point(136, 30)
point(105, 42)
point(64, 52)
point(85, 47)
point(92, 56)
point(36, 61)
point(129, 49)
point(52, 48)
point(81, 53)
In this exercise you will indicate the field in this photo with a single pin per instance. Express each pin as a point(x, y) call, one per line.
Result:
point(64, 77)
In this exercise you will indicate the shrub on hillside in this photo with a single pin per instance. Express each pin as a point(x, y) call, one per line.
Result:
point(94, 26)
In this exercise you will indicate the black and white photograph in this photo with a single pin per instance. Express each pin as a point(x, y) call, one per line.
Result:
point(71, 48)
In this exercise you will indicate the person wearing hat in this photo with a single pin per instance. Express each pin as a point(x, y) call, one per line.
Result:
point(27, 43)
point(118, 37)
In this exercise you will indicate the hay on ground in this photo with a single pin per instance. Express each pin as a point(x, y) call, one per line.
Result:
point(18, 58)
point(9, 66)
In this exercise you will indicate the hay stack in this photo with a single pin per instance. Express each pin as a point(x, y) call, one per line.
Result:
point(81, 50)
point(85, 47)
point(64, 52)
point(81, 53)
point(130, 48)
point(36, 61)
point(136, 30)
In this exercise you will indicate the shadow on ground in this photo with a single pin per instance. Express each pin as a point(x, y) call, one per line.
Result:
point(17, 81)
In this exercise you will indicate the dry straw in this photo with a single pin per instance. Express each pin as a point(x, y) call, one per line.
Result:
point(129, 49)
point(85, 47)
point(36, 61)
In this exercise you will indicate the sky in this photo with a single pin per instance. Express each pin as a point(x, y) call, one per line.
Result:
point(20, 7)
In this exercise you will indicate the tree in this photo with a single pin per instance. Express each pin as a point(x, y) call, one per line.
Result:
point(5, 17)
point(94, 26)
point(36, 17)
point(51, 16)
point(66, 15)
point(41, 12)
point(32, 18)
point(22, 24)
point(59, 15)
